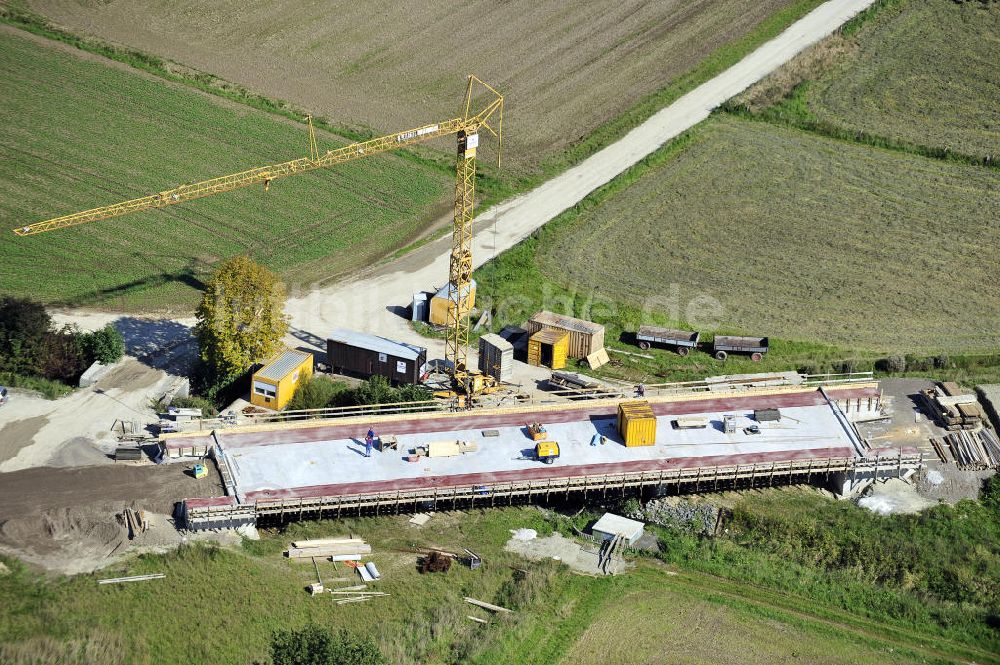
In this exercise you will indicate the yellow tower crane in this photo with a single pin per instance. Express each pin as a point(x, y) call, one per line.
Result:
point(466, 128)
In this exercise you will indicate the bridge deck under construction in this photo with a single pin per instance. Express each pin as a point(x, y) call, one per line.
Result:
point(322, 469)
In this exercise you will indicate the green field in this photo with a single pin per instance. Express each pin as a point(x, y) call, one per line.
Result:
point(926, 74)
point(78, 133)
point(747, 597)
point(796, 236)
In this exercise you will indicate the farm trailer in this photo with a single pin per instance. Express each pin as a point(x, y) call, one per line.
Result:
point(755, 347)
point(681, 340)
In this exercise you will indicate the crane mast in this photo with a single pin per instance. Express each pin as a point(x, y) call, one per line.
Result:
point(466, 128)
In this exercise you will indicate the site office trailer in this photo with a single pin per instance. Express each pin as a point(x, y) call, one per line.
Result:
point(365, 355)
point(273, 385)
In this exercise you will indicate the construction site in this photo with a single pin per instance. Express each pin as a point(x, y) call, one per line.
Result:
point(459, 444)
point(489, 457)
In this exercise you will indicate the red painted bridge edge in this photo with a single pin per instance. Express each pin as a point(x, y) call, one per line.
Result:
point(446, 423)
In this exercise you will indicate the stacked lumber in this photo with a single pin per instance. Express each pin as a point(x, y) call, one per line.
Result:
point(975, 451)
point(335, 549)
point(991, 444)
point(347, 597)
point(953, 407)
point(940, 449)
point(135, 521)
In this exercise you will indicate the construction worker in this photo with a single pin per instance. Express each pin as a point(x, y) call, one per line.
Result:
point(640, 390)
point(369, 442)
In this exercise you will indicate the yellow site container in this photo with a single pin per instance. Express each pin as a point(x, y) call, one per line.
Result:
point(446, 300)
point(548, 348)
point(637, 423)
point(274, 384)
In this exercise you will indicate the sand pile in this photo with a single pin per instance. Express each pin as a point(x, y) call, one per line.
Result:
point(68, 540)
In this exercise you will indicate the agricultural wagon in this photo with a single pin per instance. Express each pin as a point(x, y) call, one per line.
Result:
point(681, 340)
point(755, 347)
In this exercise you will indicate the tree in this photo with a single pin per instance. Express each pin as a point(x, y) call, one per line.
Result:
point(61, 356)
point(105, 345)
point(241, 317)
point(315, 645)
point(24, 326)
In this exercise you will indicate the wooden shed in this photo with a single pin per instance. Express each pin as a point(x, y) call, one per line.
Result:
point(365, 355)
point(548, 348)
point(585, 337)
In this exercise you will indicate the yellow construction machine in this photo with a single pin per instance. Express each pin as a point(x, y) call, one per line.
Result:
point(466, 382)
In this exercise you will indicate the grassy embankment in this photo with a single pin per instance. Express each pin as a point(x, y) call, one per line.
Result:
point(797, 575)
point(854, 246)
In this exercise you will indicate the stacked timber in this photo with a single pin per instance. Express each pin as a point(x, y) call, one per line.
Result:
point(940, 450)
point(335, 549)
point(135, 522)
point(975, 451)
point(953, 407)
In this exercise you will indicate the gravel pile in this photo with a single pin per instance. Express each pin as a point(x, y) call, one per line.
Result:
point(680, 514)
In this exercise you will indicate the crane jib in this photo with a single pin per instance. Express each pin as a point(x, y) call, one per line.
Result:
point(260, 175)
point(465, 381)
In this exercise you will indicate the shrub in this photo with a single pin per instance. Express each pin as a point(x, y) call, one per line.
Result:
point(315, 645)
point(894, 364)
point(195, 402)
point(61, 356)
point(24, 325)
point(47, 388)
point(846, 366)
point(375, 390)
point(319, 392)
point(104, 346)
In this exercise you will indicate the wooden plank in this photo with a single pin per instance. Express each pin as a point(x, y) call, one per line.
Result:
point(487, 606)
point(320, 542)
point(133, 578)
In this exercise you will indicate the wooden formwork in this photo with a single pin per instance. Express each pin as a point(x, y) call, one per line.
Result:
point(694, 479)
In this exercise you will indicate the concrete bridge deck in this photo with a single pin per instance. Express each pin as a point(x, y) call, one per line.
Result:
point(324, 465)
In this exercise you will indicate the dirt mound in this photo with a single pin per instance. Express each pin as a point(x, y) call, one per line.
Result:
point(69, 540)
